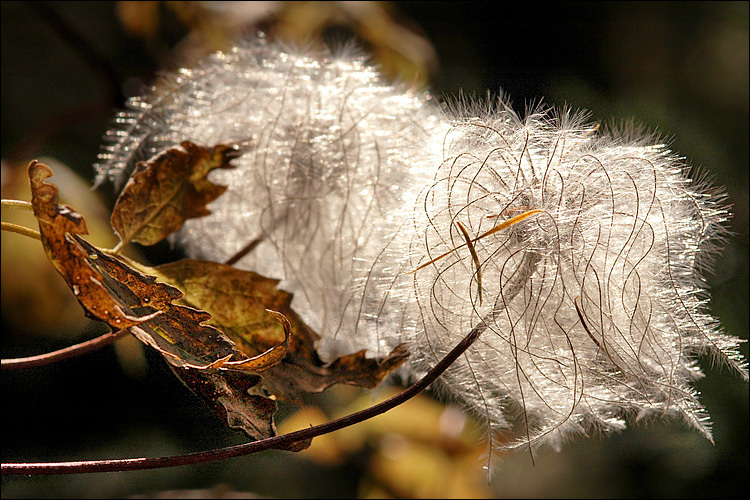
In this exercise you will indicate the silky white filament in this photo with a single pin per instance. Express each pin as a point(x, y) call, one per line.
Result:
point(382, 213)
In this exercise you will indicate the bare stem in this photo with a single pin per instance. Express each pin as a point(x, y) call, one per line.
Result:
point(277, 442)
point(20, 205)
point(119, 247)
point(243, 251)
point(62, 354)
point(15, 228)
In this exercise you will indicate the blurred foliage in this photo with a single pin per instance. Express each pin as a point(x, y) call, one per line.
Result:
point(681, 69)
point(421, 449)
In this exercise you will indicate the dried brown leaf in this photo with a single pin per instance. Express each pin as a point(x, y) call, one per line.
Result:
point(56, 224)
point(238, 300)
point(238, 397)
point(168, 189)
point(261, 354)
point(112, 291)
point(233, 396)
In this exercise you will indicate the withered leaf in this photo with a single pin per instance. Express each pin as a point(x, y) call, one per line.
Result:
point(168, 189)
point(232, 396)
point(237, 301)
point(56, 224)
point(179, 332)
point(239, 371)
point(238, 398)
point(112, 291)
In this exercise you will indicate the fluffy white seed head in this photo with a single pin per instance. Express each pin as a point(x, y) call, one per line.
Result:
point(330, 151)
point(592, 307)
point(380, 212)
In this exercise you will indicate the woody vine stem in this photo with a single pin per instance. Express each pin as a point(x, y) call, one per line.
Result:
point(277, 442)
point(62, 354)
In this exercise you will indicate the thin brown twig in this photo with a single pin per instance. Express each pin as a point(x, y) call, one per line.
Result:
point(277, 442)
point(62, 354)
point(243, 251)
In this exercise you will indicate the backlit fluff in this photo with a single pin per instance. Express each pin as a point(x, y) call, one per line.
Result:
point(592, 305)
point(592, 308)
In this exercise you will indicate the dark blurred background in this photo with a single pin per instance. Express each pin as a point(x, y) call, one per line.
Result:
point(680, 69)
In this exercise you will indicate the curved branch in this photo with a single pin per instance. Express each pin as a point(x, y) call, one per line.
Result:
point(15, 228)
point(62, 354)
point(276, 442)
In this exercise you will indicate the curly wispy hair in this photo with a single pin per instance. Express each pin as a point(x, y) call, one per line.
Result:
point(578, 252)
